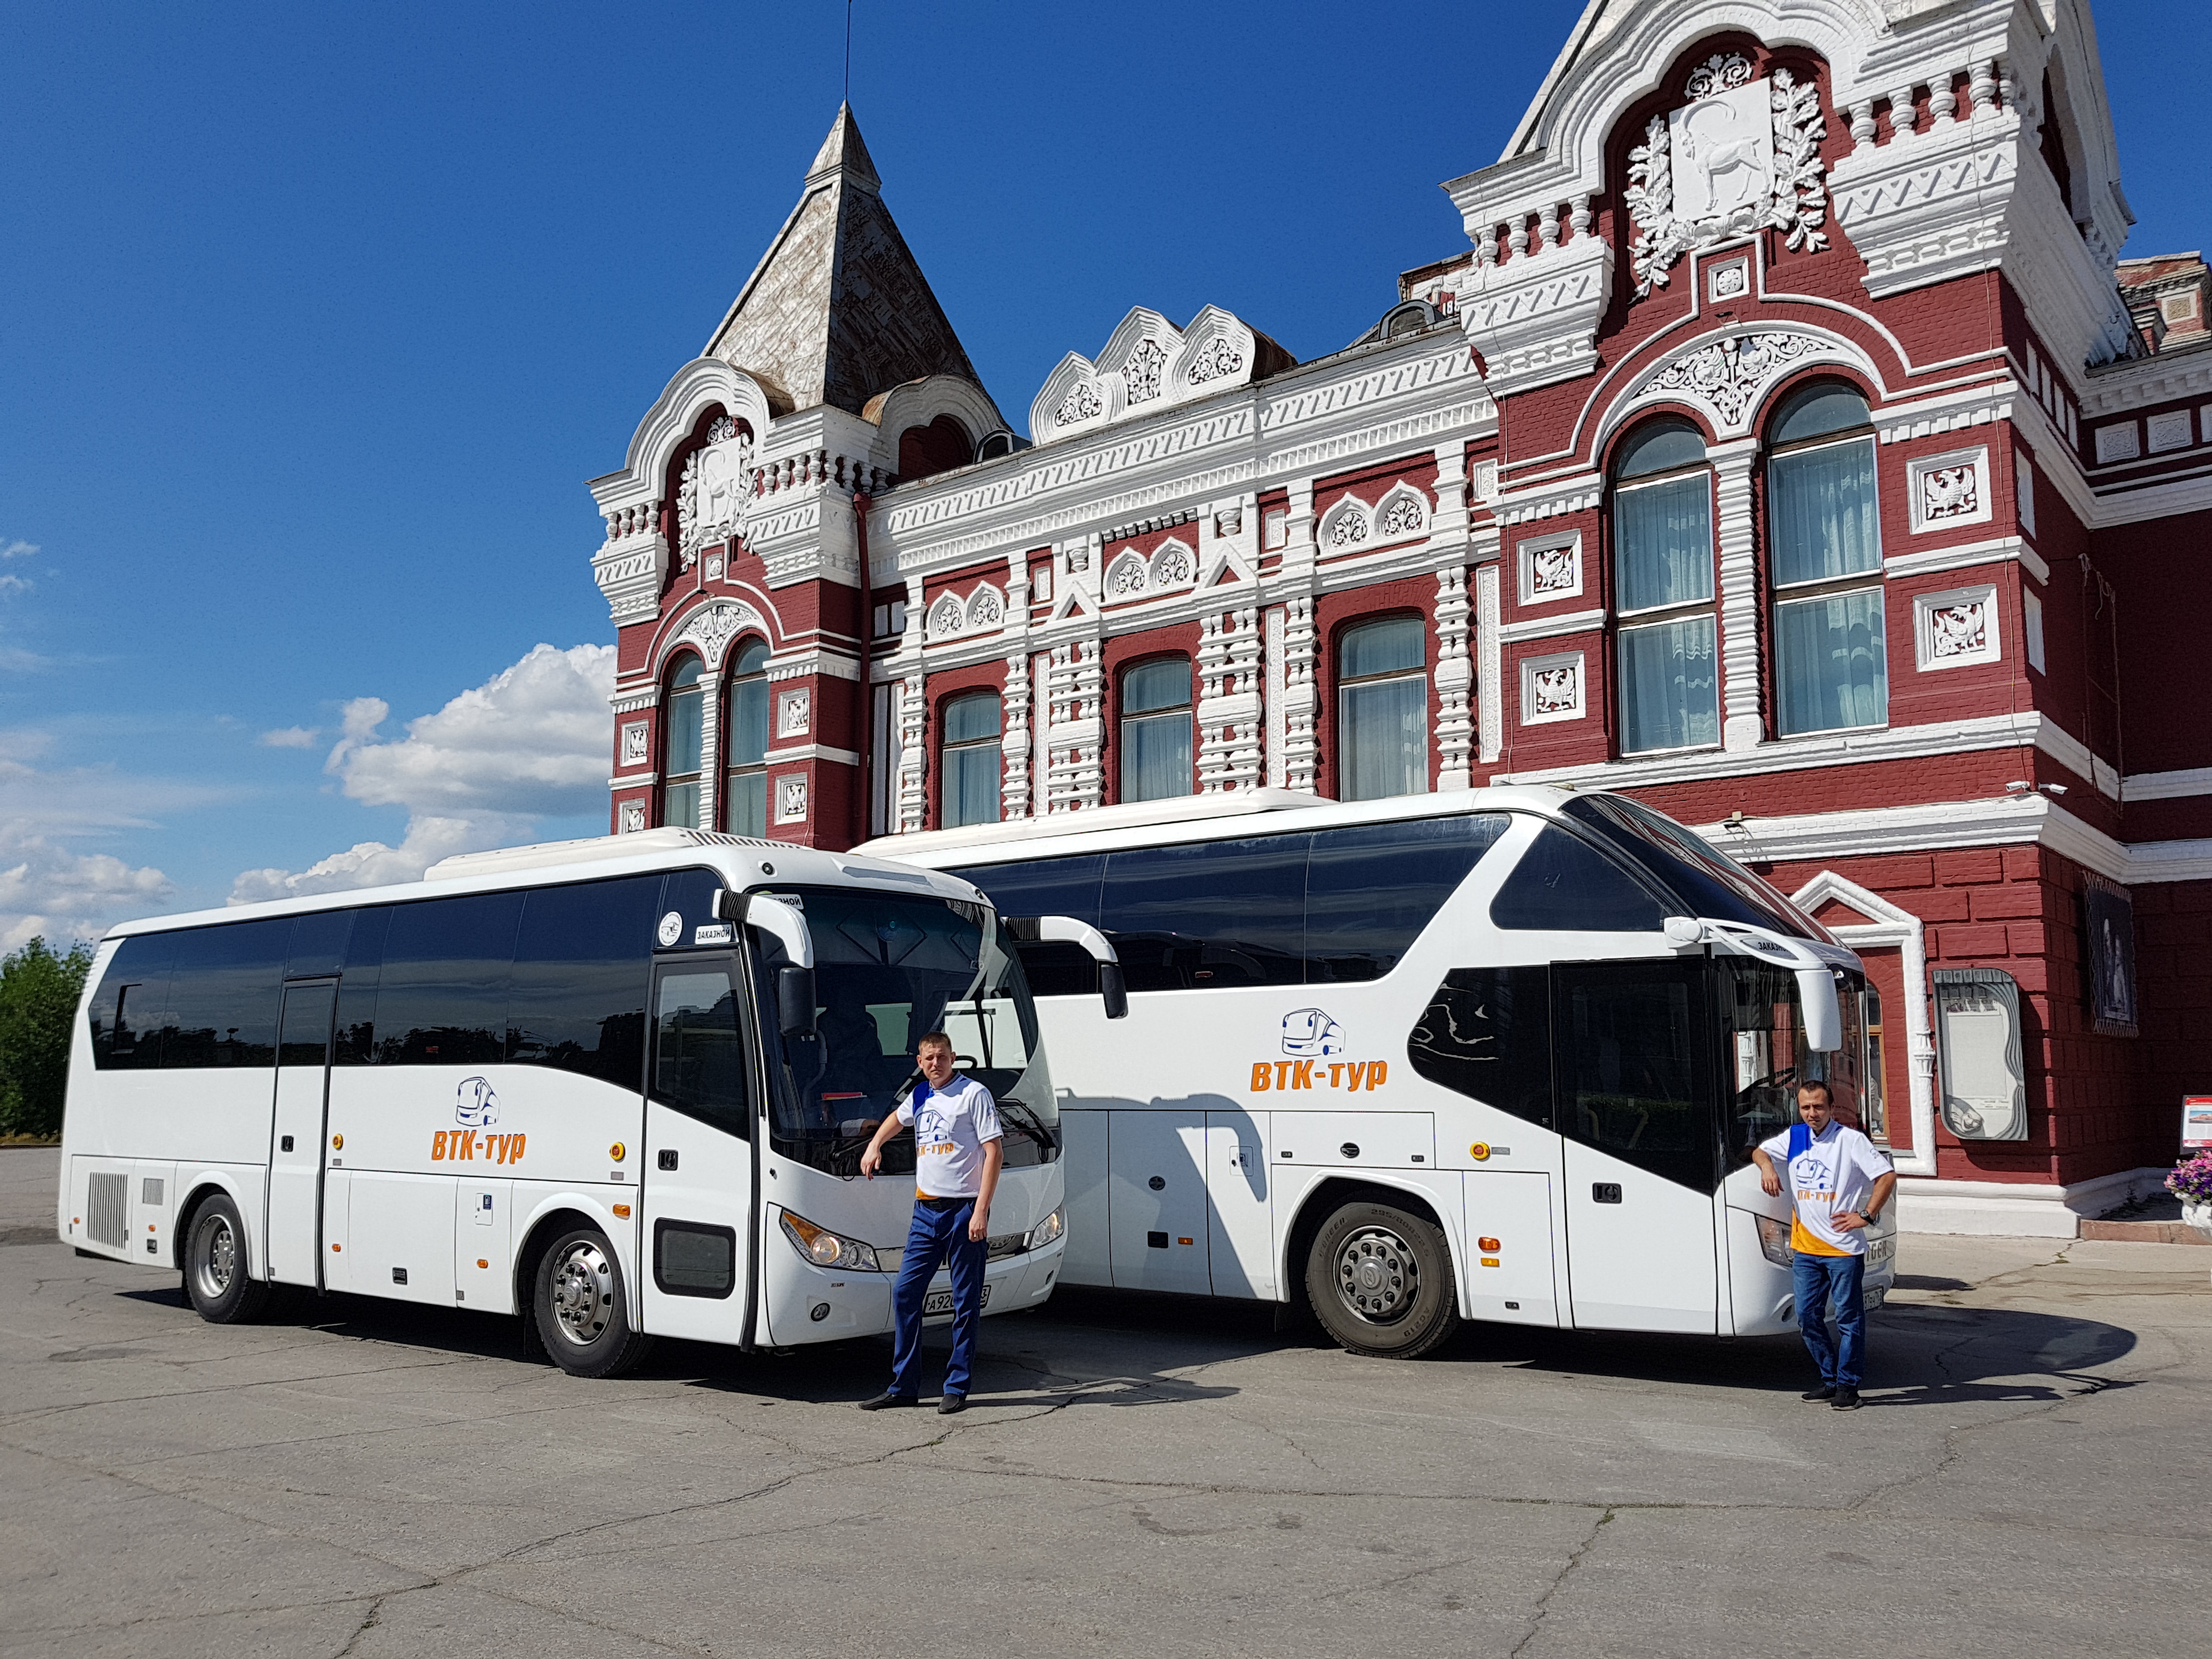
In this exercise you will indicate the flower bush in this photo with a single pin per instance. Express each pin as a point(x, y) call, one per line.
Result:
point(2191, 1183)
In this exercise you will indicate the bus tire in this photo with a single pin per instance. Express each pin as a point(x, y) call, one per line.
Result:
point(583, 1308)
point(1380, 1281)
point(217, 1281)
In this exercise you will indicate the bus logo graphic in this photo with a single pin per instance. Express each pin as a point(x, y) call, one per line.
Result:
point(670, 929)
point(1309, 1034)
point(475, 1105)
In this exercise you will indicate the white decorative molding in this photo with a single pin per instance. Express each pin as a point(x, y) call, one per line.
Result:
point(1964, 556)
point(952, 617)
point(2173, 428)
point(1231, 750)
point(1550, 567)
point(2168, 785)
point(1075, 684)
point(1401, 514)
point(1743, 711)
point(1454, 680)
point(713, 500)
point(2117, 440)
point(710, 628)
point(1725, 379)
point(811, 751)
point(1490, 669)
point(1014, 746)
point(636, 743)
point(1955, 629)
point(913, 805)
point(1546, 628)
point(1948, 491)
point(1301, 697)
point(1534, 318)
point(1277, 728)
point(1148, 364)
point(794, 712)
point(790, 799)
point(2023, 489)
point(1348, 523)
point(1552, 687)
point(1728, 280)
point(633, 818)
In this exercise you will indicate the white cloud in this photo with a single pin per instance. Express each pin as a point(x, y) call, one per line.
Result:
point(18, 549)
point(12, 583)
point(533, 741)
point(291, 737)
point(46, 889)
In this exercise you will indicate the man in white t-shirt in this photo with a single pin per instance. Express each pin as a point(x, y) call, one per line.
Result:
point(957, 1153)
point(1838, 1185)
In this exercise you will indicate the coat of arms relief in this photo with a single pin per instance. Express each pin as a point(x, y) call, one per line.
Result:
point(1741, 154)
point(714, 496)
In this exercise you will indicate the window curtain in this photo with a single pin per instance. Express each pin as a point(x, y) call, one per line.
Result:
point(1155, 757)
point(1383, 738)
point(1669, 686)
point(1831, 666)
point(1664, 532)
point(972, 764)
point(1821, 513)
point(680, 801)
point(744, 794)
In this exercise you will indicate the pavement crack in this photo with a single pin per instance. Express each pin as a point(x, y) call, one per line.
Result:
point(1543, 1608)
point(366, 1625)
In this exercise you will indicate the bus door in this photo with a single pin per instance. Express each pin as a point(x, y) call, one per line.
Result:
point(1635, 1100)
point(297, 1135)
point(697, 1170)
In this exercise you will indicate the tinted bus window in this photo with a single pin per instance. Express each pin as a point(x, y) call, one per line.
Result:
point(442, 997)
point(1564, 883)
point(1371, 888)
point(127, 1011)
point(356, 1018)
point(1486, 1034)
point(1048, 887)
point(580, 965)
point(1706, 882)
point(1208, 915)
point(319, 944)
point(224, 986)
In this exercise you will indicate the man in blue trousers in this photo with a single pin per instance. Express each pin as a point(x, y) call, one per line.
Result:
point(956, 1170)
point(1837, 1184)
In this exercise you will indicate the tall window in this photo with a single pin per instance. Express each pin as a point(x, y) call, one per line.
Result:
point(683, 711)
point(1156, 730)
point(1662, 538)
point(969, 792)
point(1831, 670)
point(745, 787)
point(1381, 710)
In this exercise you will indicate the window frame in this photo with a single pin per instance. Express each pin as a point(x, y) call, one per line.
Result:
point(1344, 682)
point(735, 677)
point(1819, 588)
point(947, 747)
point(1123, 719)
point(670, 779)
point(1642, 619)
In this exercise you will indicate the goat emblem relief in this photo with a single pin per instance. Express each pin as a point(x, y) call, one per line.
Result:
point(475, 1105)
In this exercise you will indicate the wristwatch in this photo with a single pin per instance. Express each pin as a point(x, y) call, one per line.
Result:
point(1868, 1217)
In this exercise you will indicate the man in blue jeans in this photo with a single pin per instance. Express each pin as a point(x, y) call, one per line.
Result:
point(956, 1154)
point(1838, 1185)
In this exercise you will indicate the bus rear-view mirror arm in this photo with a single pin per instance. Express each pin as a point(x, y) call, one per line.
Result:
point(795, 980)
point(1821, 1009)
point(1066, 930)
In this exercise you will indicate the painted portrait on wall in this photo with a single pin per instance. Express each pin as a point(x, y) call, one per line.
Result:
point(2109, 919)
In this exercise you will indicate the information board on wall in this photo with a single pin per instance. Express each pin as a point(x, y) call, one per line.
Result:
point(2196, 1123)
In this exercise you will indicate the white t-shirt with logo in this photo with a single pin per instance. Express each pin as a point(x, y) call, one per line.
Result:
point(950, 1126)
point(1836, 1171)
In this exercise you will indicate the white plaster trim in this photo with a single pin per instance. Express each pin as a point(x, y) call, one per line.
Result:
point(1545, 628)
point(1928, 658)
point(2016, 1209)
point(2167, 786)
point(2001, 550)
point(1569, 662)
point(1975, 463)
point(1525, 556)
point(1887, 925)
point(806, 751)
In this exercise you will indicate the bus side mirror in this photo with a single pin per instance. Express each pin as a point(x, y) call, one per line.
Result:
point(1066, 930)
point(794, 1001)
point(1111, 989)
point(1824, 1013)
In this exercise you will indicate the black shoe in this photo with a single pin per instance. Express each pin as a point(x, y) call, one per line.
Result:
point(1826, 1391)
point(1846, 1400)
point(887, 1398)
point(952, 1403)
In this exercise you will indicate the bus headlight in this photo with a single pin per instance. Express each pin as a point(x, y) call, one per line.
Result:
point(827, 1249)
point(1047, 1231)
point(1773, 1240)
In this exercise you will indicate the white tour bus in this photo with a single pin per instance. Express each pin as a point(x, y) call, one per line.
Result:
point(1498, 1054)
point(621, 1084)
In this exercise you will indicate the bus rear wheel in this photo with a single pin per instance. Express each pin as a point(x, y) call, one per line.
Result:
point(583, 1312)
point(1380, 1280)
point(215, 1276)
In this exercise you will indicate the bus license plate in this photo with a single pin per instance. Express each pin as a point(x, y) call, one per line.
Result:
point(940, 1302)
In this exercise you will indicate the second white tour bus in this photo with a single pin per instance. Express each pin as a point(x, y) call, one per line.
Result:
point(1498, 1054)
point(620, 1086)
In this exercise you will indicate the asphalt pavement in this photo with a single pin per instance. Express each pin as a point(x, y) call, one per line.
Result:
point(1136, 1476)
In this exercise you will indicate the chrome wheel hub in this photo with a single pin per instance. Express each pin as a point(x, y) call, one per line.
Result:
point(218, 1258)
point(1376, 1276)
point(583, 1292)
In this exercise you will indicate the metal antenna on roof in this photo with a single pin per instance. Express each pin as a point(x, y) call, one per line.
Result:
point(849, 51)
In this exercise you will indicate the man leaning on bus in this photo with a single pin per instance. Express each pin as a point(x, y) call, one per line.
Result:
point(956, 1170)
point(1838, 1185)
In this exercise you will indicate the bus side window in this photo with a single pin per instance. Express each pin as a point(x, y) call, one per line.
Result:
point(1486, 1034)
point(133, 988)
point(1371, 888)
point(1208, 916)
point(363, 968)
point(1048, 887)
point(447, 965)
point(581, 961)
point(223, 986)
point(1564, 884)
point(1633, 1073)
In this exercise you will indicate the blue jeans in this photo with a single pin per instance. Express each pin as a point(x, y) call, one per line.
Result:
point(933, 1236)
point(1826, 1284)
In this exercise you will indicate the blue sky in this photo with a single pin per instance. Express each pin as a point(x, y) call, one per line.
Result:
point(316, 320)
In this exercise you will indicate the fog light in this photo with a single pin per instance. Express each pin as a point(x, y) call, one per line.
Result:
point(819, 1312)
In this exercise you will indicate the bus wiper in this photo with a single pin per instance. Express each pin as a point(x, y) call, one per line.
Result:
point(1031, 1124)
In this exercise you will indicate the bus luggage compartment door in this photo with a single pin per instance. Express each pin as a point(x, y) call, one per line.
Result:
point(1509, 1275)
point(1156, 1204)
point(1089, 1258)
point(1241, 1229)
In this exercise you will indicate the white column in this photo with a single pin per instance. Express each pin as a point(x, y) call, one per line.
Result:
point(1455, 678)
point(1743, 721)
point(1014, 747)
point(710, 747)
point(1490, 669)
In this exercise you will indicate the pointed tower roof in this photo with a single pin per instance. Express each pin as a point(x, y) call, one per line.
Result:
point(837, 310)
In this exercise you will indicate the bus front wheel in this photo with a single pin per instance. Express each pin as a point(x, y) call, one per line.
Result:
point(1380, 1280)
point(583, 1313)
point(215, 1276)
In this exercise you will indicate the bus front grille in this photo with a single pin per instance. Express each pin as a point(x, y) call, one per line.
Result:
point(107, 1214)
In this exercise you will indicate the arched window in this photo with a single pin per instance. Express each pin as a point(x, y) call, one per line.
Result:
point(1156, 730)
point(969, 792)
point(938, 448)
point(1824, 548)
point(1382, 710)
point(1662, 542)
point(744, 743)
point(681, 716)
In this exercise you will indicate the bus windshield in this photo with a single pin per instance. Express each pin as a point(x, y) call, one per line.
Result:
point(1770, 1059)
point(1706, 882)
point(887, 969)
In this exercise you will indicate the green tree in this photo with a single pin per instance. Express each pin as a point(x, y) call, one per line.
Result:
point(38, 992)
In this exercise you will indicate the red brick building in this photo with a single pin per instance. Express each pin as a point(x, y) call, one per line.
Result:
point(1779, 447)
